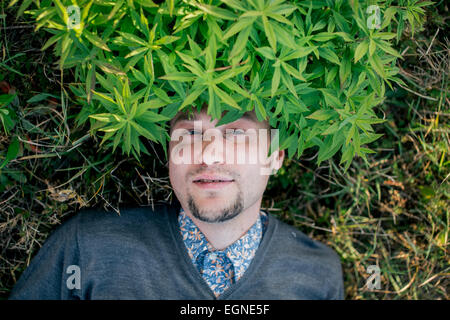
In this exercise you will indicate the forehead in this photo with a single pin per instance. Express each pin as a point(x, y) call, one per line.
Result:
point(184, 116)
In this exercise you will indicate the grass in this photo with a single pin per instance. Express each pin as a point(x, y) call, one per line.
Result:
point(393, 213)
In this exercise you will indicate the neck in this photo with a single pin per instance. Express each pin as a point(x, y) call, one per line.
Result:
point(222, 234)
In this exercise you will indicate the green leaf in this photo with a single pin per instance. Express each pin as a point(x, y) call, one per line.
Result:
point(324, 36)
point(347, 156)
point(328, 149)
point(387, 16)
point(260, 111)
point(331, 75)
point(321, 115)
point(292, 71)
point(136, 51)
point(151, 116)
point(350, 134)
point(267, 52)
point(90, 82)
point(13, 151)
point(345, 68)
point(151, 104)
point(166, 40)
point(113, 128)
point(213, 105)
point(116, 8)
point(236, 4)
point(36, 98)
point(279, 18)
point(270, 33)
point(275, 81)
point(95, 40)
point(211, 52)
point(109, 68)
point(299, 52)
point(226, 98)
point(367, 150)
point(385, 46)
point(361, 50)
point(344, 36)
point(329, 54)
point(142, 131)
point(235, 87)
point(251, 13)
point(372, 47)
point(162, 95)
point(131, 39)
point(238, 26)
point(377, 65)
point(195, 48)
point(118, 138)
point(330, 98)
point(196, 68)
point(287, 81)
point(231, 73)
point(383, 35)
point(191, 97)
point(104, 98)
point(139, 76)
point(285, 37)
point(52, 40)
point(179, 76)
point(62, 11)
point(284, 9)
point(331, 129)
point(127, 138)
point(104, 117)
point(216, 11)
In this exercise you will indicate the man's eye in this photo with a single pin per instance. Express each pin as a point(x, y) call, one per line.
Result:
point(237, 131)
point(192, 131)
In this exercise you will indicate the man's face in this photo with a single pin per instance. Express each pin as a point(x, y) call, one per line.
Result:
point(242, 183)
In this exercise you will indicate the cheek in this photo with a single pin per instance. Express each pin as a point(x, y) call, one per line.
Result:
point(177, 177)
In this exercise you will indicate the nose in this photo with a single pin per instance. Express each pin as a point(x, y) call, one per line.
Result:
point(212, 150)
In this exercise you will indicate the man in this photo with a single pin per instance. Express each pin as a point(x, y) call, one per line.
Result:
point(212, 242)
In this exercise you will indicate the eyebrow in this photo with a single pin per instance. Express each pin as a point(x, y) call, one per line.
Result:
point(185, 117)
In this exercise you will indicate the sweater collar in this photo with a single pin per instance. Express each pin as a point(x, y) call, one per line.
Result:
point(240, 252)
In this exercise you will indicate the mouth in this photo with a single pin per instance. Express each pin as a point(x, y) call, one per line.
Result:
point(212, 183)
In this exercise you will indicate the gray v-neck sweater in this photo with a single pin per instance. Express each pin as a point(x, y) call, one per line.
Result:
point(141, 255)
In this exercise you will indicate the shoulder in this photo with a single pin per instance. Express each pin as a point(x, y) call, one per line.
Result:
point(110, 235)
point(300, 242)
point(126, 214)
point(309, 256)
point(90, 228)
point(127, 219)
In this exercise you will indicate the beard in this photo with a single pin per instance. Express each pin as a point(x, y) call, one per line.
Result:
point(223, 214)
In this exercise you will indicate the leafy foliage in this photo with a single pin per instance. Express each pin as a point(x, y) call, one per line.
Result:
point(315, 69)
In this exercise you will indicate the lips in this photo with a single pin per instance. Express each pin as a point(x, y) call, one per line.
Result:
point(211, 182)
point(212, 179)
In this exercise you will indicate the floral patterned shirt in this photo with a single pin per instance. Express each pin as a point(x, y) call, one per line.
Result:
point(221, 268)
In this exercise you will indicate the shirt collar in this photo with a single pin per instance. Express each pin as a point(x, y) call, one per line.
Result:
point(239, 252)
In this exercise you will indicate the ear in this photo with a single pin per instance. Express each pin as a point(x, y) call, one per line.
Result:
point(276, 160)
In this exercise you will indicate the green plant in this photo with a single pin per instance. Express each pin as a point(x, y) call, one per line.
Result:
point(315, 69)
point(6, 114)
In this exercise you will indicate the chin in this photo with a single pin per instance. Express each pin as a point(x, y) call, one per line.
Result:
point(211, 204)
